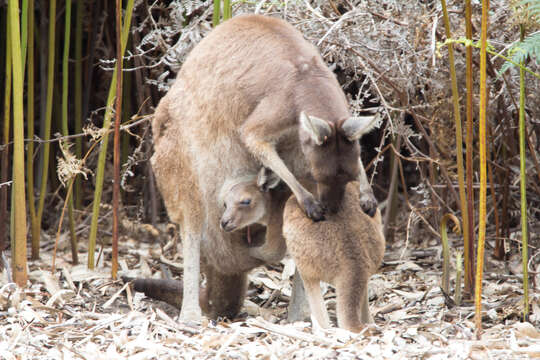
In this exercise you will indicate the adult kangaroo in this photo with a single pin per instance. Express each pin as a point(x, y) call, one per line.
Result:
point(252, 93)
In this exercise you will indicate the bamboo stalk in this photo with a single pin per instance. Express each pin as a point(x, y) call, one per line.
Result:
point(127, 110)
point(459, 138)
point(227, 10)
point(498, 251)
point(19, 242)
point(5, 141)
point(78, 96)
point(483, 182)
point(92, 41)
point(523, 185)
point(468, 252)
point(116, 153)
point(65, 127)
point(47, 131)
point(217, 13)
point(24, 33)
point(103, 153)
point(65, 67)
point(30, 115)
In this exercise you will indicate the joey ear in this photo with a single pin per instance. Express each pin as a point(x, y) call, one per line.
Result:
point(354, 127)
point(267, 179)
point(318, 129)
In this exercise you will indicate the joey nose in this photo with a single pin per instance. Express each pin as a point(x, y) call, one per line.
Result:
point(225, 224)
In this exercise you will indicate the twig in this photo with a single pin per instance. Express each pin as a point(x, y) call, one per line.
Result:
point(126, 127)
point(285, 331)
point(390, 18)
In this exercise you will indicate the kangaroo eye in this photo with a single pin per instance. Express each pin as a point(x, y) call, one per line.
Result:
point(224, 205)
point(245, 202)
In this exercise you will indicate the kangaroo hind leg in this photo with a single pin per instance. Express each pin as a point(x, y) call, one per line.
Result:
point(316, 302)
point(351, 291)
point(365, 315)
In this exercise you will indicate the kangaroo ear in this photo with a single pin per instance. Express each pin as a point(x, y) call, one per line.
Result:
point(267, 179)
point(354, 127)
point(318, 129)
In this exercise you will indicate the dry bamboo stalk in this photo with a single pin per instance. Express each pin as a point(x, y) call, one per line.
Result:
point(483, 177)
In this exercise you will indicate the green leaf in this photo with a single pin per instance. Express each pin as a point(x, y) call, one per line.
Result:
point(533, 6)
point(529, 47)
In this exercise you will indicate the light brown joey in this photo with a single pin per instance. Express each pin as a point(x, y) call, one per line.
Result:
point(345, 250)
point(252, 92)
point(253, 200)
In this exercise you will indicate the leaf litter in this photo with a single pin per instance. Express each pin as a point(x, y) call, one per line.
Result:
point(78, 313)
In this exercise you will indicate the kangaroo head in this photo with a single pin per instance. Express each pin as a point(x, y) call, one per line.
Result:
point(245, 202)
point(333, 153)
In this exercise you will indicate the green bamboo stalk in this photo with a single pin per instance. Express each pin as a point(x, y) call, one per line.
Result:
point(446, 250)
point(483, 178)
point(217, 13)
point(78, 96)
point(116, 153)
point(103, 153)
point(459, 136)
point(30, 115)
point(523, 185)
point(65, 68)
point(65, 127)
point(227, 10)
point(468, 252)
point(127, 110)
point(5, 141)
point(47, 131)
point(19, 249)
point(24, 32)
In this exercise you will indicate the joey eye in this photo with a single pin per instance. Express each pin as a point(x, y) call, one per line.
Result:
point(245, 202)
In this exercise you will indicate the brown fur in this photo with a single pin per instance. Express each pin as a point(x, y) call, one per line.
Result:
point(267, 74)
point(167, 290)
point(171, 291)
point(345, 250)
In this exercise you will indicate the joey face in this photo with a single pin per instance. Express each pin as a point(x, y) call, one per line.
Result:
point(244, 205)
point(332, 151)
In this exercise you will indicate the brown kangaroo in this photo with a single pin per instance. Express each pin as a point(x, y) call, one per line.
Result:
point(252, 92)
point(345, 250)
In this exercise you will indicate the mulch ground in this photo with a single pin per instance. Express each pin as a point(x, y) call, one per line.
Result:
point(77, 313)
